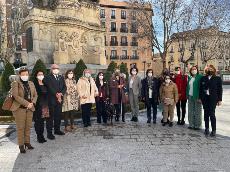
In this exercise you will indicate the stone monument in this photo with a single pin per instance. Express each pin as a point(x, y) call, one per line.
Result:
point(65, 31)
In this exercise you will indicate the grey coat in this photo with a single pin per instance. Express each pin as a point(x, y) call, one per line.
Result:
point(136, 86)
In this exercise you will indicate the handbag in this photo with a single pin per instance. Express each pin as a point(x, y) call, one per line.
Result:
point(8, 102)
point(45, 112)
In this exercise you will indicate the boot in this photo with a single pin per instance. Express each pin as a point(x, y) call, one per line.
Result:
point(170, 124)
point(213, 134)
point(206, 132)
point(22, 149)
point(67, 129)
point(117, 117)
point(40, 139)
point(123, 118)
point(28, 146)
point(73, 127)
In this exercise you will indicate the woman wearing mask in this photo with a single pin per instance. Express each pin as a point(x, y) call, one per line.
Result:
point(211, 92)
point(87, 91)
point(134, 86)
point(25, 97)
point(194, 105)
point(41, 113)
point(117, 94)
point(181, 81)
point(70, 101)
point(150, 94)
point(169, 98)
point(100, 99)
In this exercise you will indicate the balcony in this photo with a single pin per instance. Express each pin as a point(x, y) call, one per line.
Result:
point(123, 16)
point(113, 17)
point(134, 57)
point(134, 43)
point(124, 30)
point(124, 43)
point(113, 30)
point(112, 57)
point(112, 43)
point(134, 30)
point(124, 57)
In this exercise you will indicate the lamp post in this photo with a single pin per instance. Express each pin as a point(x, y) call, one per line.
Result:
point(2, 66)
point(144, 62)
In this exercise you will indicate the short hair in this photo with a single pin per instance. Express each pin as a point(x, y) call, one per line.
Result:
point(148, 70)
point(132, 69)
point(190, 70)
point(23, 69)
point(211, 66)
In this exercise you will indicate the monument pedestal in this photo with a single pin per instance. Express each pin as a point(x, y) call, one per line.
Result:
point(61, 57)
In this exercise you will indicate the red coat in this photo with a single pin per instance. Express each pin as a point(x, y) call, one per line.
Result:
point(181, 82)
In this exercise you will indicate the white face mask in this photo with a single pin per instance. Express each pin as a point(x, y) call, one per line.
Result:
point(87, 75)
point(178, 72)
point(40, 77)
point(24, 78)
point(167, 81)
point(55, 71)
point(101, 77)
point(150, 74)
point(194, 72)
point(70, 76)
point(134, 72)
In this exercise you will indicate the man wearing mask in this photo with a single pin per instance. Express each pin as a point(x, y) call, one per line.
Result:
point(211, 95)
point(118, 93)
point(56, 89)
point(181, 81)
point(87, 91)
point(150, 94)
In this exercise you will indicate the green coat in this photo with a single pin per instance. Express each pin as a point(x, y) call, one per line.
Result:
point(196, 86)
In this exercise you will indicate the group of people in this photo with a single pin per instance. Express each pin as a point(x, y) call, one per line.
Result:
point(45, 98)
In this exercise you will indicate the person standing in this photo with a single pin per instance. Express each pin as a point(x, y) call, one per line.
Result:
point(169, 98)
point(56, 90)
point(211, 95)
point(70, 101)
point(134, 86)
point(87, 91)
point(41, 113)
point(23, 106)
point(118, 94)
point(181, 81)
point(150, 94)
point(194, 105)
point(101, 98)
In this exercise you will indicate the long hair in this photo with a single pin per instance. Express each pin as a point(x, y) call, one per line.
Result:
point(190, 70)
point(36, 84)
point(98, 80)
point(67, 72)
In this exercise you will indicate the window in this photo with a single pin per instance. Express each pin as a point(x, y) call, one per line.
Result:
point(124, 41)
point(134, 41)
point(124, 54)
point(133, 15)
point(102, 13)
point(113, 54)
point(123, 14)
point(103, 24)
point(113, 14)
point(124, 27)
point(134, 52)
point(133, 28)
point(113, 41)
point(113, 27)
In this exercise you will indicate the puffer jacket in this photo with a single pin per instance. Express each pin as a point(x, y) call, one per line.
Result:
point(169, 91)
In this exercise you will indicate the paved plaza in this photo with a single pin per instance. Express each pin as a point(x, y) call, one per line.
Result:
point(136, 147)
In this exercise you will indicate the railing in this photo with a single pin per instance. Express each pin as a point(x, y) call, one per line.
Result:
point(124, 30)
point(113, 43)
point(124, 43)
point(114, 57)
point(134, 43)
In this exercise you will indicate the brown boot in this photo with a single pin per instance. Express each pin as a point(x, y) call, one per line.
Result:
point(22, 149)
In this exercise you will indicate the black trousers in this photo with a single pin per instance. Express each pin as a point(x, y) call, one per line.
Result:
point(181, 108)
point(86, 113)
point(118, 109)
point(69, 117)
point(55, 115)
point(39, 123)
point(209, 112)
point(101, 112)
point(151, 104)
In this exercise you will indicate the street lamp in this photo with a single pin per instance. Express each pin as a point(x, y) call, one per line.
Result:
point(144, 62)
point(2, 67)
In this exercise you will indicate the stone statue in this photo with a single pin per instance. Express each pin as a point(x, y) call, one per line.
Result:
point(45, 4)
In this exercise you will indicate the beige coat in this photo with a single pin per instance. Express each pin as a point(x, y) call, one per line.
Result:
point(71, 97)
point(169, 91)
point(18, 94)
point(83, 88)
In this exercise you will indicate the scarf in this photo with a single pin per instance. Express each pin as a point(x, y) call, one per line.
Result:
point(150, 82)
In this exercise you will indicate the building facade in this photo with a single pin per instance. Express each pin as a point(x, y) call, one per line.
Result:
point(199, 47)
point(121, 37)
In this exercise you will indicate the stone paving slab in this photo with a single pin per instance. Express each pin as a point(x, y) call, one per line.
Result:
point(129, 147)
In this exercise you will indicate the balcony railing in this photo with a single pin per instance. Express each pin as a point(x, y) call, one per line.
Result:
point(113, 17)
point(133, 30)
point(112, 43)
point(124, 57)
point(134, 57)
point(124, 43)
point(112, 57)
point(134, 43)
point(123, 16)
point(124, 30)
point(102, 16)
point(113, 30)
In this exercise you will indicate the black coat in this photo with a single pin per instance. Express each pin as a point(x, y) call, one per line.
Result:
point(214, 85)
point(155, 88)
point(54, 86)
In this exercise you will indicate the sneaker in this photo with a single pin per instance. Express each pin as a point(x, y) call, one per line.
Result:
point(170, 124)
point(51, 136)
point(148, 121)
point(154, 121)
point(135, 119)
point(132, 119)
point(178, 123)
point(206, 132)
point(164, 123)
point(182, 123)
